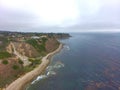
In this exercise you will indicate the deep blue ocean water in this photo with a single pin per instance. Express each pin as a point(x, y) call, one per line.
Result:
point(91, 62)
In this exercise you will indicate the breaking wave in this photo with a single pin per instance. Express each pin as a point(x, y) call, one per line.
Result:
point(67, 47)
point(50, 71)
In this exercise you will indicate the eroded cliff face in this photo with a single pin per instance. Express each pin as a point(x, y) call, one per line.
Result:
point(23, 48)
point(22, 51)
point(9, 48)
point(51, 44)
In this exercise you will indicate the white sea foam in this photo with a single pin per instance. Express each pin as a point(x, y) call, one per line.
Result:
point(58, 65)
point(51, 73)
point(39, 78)
point(67, 47)
point(50, 70)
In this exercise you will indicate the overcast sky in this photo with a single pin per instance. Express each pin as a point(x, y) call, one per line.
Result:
point(60, 15)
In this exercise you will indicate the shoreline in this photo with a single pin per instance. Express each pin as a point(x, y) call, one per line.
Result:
point(21, 82)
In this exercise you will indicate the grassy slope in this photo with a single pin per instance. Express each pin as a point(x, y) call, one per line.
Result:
point(39, 46)
point(3, 44)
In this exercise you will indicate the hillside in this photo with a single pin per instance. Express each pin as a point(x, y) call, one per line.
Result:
point(22, 52)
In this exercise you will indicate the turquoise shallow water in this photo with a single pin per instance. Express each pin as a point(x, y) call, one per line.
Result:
point(88, 61)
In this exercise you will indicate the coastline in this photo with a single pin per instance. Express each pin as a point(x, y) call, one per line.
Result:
point(21, 82)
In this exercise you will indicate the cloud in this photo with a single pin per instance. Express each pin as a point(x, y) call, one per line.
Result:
point(49, 12)
point(16, 19)
point(30, 14)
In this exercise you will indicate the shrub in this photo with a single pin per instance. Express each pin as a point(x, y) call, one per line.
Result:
point(35, 62)
point(44, 40)
point(5, 62)
point(15, 67)
point(20, 61)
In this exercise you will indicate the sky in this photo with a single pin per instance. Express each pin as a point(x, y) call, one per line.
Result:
point(60, 15)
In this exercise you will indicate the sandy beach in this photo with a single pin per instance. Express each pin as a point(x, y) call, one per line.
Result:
point(21, 82)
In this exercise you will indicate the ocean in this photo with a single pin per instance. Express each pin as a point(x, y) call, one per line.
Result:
point(88, 61)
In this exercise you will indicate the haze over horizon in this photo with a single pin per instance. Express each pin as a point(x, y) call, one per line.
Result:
point(60, 15)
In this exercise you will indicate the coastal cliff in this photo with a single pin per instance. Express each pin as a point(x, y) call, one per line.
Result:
point(22, 81)
point(21, 53)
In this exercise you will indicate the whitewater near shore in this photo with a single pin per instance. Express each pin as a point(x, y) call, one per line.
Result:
point(21, 82)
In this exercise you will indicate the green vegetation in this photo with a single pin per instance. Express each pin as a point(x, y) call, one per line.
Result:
point(35, 62)
point(20, 61)
point(39, 47)
point(5, 62)
point(3, 43)
point(44, 40)
point(15, 67)
point(4, 55)
point(27, 69)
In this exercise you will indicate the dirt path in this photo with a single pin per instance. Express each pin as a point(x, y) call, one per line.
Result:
point(23, 58)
